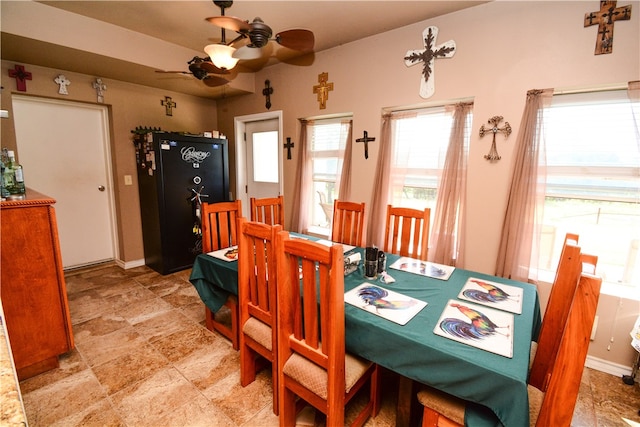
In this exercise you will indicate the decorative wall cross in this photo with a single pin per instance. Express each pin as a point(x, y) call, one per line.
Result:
point(100, 88)
point(63, 81)
point(21, 77)
point(288, 145)
point(605, 18)
point(493, 153)
point(323, 89)
point(366, 139)
point(168, 105)
point(428, 57)
point(267, 92)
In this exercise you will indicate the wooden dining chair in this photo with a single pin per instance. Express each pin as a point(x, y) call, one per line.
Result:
point(269, 210)
point(407, 232)
point(257, 279)
point(543, 353)
point(312, 361)
point(348, 223)
point(219, 222)
point(555, 406)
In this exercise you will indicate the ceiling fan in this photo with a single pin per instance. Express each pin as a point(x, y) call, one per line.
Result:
point(214, 70)
point(203, 69)
point(258, 34)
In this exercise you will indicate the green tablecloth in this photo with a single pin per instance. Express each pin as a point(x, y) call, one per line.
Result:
point(413, 350)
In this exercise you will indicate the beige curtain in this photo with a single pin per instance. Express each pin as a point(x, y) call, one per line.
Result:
point(447, 234)
point(633, 92)
point(302, 197)
point(523, 217)
point(380, 199)
point(344, 190)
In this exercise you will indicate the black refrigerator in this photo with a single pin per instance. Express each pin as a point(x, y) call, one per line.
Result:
point(175, 173)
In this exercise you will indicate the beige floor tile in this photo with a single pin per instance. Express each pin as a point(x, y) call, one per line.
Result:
point(135, 365)
point(98, 327)
point(100, 414)
point(99, 350)
point(62, 398)
point(163, 324)
point(148, 402)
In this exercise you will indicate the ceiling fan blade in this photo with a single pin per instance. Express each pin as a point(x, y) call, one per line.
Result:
point(173, 72)
point(230, 23)
point(247, 52)
point(298, 39)
point(210, 68)
point(214, 81)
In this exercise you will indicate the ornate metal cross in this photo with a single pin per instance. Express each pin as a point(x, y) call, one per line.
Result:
point(63, 81)
point(21, 77)
point(100, 88)
point(323, 89)
point(366, 140)
point(605, 18)
point(168, 105)
point(428, 57)
point(493, 153)
point(288, 145)
point(267, 91)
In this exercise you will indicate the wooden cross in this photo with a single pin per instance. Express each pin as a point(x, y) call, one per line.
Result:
point(267, 92)
point(605, 18)
point(366, 140)
point(168, 105)
point(100, 88)
point(493, 153)
point(288, 146)
point(63, 81)
point(428, 57)
point(323, 89)
point(21, 77)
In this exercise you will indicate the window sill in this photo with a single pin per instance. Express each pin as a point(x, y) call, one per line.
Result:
point(630, 292)
point(320, 232)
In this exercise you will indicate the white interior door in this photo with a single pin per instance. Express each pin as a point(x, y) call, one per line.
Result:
point(64, 149)
point(263, 158)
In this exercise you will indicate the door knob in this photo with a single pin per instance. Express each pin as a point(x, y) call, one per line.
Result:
point(101, 188)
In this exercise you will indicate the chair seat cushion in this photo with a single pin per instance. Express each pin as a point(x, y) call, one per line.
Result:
point(535, 403)
point(260, 332)
point(314, 378)
point(443, 403)
point(532, 353)
point(453, 408)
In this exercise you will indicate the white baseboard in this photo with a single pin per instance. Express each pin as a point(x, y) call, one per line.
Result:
point(130, 264)
point(607, 367)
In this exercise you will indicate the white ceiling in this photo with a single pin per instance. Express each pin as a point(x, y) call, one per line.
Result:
point(183, 23)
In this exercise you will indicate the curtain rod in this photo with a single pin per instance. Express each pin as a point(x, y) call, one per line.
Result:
point(417, 107)
point(590, 89)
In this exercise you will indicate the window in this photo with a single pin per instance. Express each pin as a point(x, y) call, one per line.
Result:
point(420, 142)
point(593, 182)
point(327, 140)
point(265, 155)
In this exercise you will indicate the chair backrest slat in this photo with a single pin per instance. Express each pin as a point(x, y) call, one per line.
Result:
point(219, 222)
point(269, 210)
point(564, 385)
point(407, 232)
point(348, 223)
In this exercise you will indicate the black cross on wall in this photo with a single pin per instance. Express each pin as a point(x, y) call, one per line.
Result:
point(366, 140)
point(288, 145)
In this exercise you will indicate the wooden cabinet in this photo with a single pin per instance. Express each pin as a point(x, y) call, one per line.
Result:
point(32, 286)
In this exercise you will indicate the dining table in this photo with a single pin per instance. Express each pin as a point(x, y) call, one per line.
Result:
point(494, 385)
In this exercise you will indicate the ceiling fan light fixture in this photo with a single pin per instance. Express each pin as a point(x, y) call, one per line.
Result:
point(221, 55)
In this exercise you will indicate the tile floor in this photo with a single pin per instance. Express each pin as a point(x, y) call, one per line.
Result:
point(144, 358)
